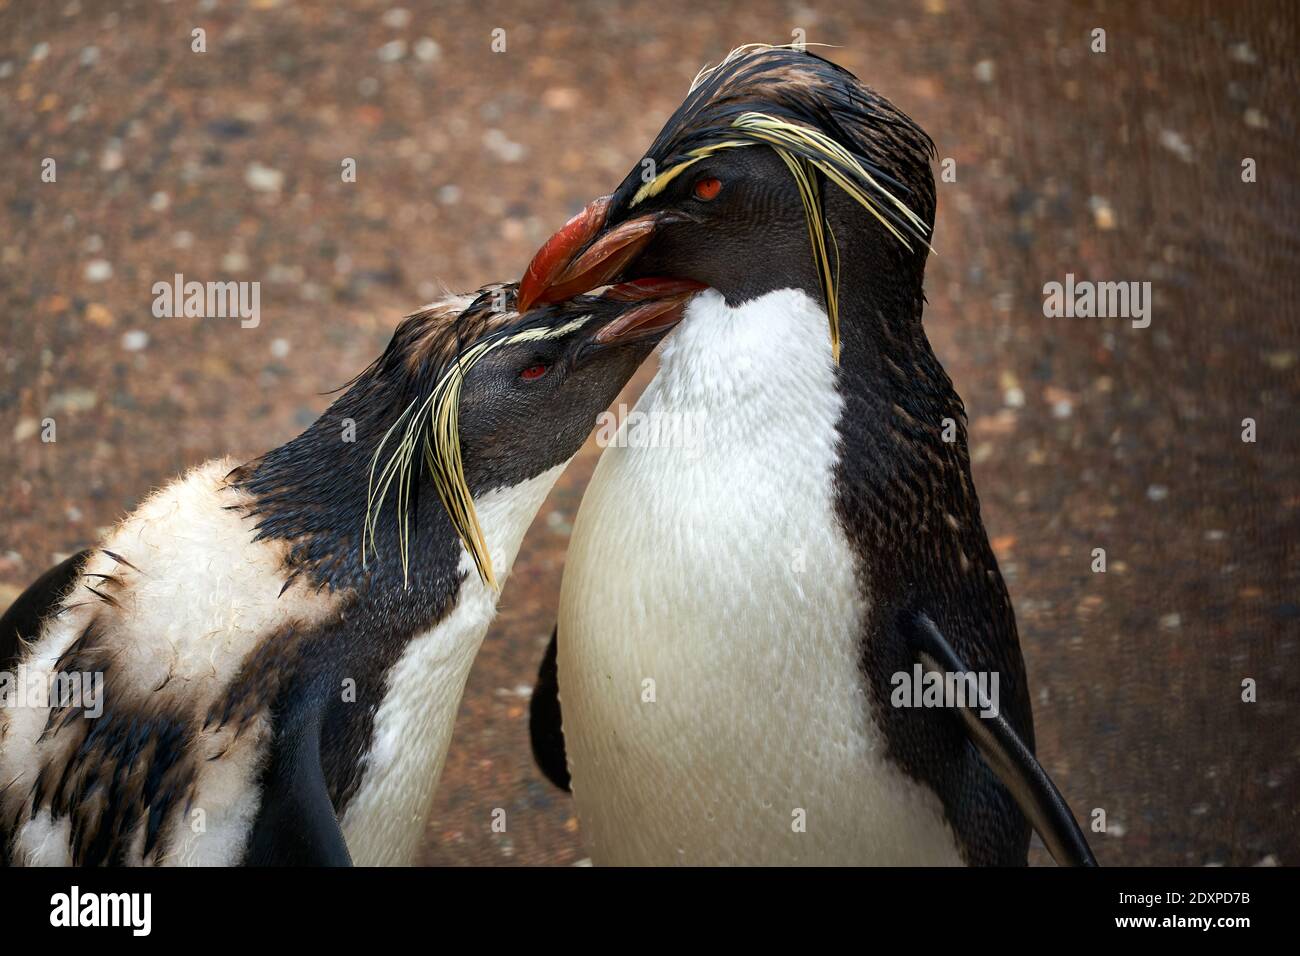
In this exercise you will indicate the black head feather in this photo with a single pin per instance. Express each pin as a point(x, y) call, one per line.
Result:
point(805, 90)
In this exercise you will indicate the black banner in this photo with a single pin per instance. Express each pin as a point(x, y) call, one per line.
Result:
point(228, 906)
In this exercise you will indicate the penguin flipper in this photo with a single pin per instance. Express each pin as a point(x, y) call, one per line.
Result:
point(22, 622)
point(545, 728)
point(296, 824)
point(1008, 757)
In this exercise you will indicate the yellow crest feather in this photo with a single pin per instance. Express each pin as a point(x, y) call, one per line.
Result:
point(806, 152)
point(432, 431)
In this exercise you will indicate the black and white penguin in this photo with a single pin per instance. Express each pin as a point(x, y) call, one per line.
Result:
point(283, 645)
point(735, 616)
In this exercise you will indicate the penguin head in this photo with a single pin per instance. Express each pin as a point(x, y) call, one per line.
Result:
point(779, 170)
point(534, 385)
point(481, 396)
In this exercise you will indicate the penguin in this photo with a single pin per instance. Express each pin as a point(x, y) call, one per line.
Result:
point(740, 622)
point(271, 655)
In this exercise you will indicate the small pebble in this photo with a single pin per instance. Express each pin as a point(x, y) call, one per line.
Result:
point(1174, 142)
point(98, 315)
point(99, 270)
point(1280, 360)
point(560, 98)
point(392, 51)
point(427, 50)
point(502, 147)
point(1242, 53)
point(74, 400)
point(26, 428)
point(263, 178)
point(135, 340)
point(110, 160)
point(1102, 213)
point(1255, 119)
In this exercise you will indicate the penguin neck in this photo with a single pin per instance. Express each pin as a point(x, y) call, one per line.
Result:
point(895, 388)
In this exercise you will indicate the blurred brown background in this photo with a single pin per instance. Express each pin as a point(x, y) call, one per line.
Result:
point(1085, 432)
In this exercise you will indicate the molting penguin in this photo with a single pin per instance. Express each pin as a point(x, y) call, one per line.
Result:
point(735, 617)
point(283, 645)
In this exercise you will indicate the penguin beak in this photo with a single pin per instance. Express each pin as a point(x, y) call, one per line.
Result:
point(662, 304)
point(582, 256)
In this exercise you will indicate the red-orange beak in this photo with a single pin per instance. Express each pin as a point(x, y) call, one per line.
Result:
point(664, 302)
point(570, 262)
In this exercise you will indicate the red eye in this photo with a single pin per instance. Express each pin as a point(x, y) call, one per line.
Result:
point(533, 372)
point(707, 189)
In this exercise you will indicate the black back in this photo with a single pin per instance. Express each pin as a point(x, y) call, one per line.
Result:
point(907, 503)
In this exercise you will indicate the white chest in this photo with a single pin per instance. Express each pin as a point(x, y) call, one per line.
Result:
point(384, 822)
point(710, 620)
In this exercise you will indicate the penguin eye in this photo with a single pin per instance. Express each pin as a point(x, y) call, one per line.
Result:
point(707, 188)
point(534, 372)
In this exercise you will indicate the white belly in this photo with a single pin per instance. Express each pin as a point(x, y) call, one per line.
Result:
point(719, 573)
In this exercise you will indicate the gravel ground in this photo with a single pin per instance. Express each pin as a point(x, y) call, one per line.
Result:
point(1086, 432)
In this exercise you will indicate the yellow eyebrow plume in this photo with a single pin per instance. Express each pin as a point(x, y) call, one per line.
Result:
point(432, 431)
point(806, 152)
